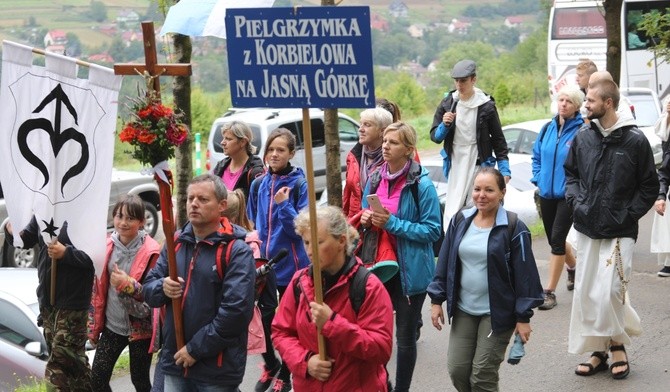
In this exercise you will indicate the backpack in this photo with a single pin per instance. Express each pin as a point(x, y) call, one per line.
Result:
point(256, 184)
point(543, 131)
point(255, 331)
point(437, 244)
point(224, 248)
point(356, 287)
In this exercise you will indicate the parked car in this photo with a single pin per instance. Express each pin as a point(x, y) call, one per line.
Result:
point(646, 108)
point(123, 182)
point(263, 121)
point(23, 349)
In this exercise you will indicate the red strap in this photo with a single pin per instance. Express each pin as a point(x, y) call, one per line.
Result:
point(219, 252)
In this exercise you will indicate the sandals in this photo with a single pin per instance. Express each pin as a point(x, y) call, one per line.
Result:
point(619, 375)
point(598, 368)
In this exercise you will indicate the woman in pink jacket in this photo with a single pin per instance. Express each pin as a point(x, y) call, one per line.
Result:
point(118, 315)
point(358, 337)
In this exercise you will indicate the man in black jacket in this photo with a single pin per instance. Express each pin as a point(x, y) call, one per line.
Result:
point(611, 183)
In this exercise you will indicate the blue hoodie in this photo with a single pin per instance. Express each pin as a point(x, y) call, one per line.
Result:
point(274, 222)
point(549, 153)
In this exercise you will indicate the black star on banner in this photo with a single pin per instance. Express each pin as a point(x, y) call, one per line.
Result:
point(50, 228)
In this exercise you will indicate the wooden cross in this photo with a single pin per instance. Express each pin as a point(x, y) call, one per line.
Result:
point(151, 70)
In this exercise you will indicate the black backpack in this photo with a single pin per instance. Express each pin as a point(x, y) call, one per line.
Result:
point(356, 288)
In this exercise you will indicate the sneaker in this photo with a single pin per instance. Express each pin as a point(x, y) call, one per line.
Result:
point(266, 378)
point(281, 385)
point(665, 272)
point(570, 282)
point(549, 301)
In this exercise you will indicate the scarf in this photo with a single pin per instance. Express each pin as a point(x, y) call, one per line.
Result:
point(370, 161)
point(392, 177)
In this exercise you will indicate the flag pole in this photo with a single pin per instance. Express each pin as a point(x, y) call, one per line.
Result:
point(316, 263)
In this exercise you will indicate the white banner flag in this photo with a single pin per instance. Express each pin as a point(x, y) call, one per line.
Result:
point(57, 146)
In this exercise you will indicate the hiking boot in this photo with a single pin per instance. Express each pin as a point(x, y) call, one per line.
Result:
point(549, 301)
point(665, 272)
point(570, 282)
point(266, 378)
point(281, 385)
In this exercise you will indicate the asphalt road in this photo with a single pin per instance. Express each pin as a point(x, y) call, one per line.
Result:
point(547, 365)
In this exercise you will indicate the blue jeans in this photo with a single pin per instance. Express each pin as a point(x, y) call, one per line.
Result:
point(407, 316)
point(180, 384)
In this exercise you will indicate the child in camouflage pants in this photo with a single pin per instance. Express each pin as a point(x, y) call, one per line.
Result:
point(64, 321)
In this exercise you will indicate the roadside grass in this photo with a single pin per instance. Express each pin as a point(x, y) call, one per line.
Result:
point(537, 230)
point(121, 368)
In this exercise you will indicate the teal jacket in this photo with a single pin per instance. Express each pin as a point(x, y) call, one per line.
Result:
point(416, 227)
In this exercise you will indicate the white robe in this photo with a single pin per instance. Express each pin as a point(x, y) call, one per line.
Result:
point(598, 315)
point(660, 229)
point(464, 155)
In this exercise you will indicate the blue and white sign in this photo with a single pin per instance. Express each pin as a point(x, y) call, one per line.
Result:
point(300, 57)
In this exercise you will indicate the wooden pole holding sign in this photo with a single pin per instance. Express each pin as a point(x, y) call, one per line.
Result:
point(151, 71)
point(314, 241)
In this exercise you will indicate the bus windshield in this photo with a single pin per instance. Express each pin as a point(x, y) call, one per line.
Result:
point(576, 23)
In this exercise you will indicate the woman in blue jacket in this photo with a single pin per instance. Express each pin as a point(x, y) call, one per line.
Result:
point(490, 291)
point(549, 153)
point(412, 216)
point(273, 206)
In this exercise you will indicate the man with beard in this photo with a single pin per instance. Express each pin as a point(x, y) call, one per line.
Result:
point(611, 183)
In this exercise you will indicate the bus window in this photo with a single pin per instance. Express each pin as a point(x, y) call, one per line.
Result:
point(637, 38)
point(575, 23)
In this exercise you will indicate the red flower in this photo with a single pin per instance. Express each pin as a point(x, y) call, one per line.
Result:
point(154, 132)
point(128, 134)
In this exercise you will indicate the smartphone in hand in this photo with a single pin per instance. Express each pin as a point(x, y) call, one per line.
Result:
point(375, 204)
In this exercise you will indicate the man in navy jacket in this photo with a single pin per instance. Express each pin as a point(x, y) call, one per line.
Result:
point(217, 298)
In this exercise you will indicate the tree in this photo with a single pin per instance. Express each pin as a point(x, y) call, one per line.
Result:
point(613, 26)
point(502, 95)
point(73, 47)
point(98, 11)
point(406, 93)
point(657, 26)
point(332, 136)
point(181, 92)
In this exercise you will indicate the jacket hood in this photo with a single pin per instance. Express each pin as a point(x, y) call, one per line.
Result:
point(252, 236)
point(477, 100)
point(226, 232)
point(621, 122)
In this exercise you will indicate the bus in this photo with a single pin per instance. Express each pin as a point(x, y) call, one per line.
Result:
point(639, 65)
point(577, 30)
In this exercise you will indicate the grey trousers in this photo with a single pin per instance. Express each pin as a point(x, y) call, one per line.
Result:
point(475, 352)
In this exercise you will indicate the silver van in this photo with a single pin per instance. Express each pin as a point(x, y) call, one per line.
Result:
point(262, 121)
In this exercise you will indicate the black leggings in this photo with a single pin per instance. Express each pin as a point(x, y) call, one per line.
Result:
point(107, 353)
point(557, 219)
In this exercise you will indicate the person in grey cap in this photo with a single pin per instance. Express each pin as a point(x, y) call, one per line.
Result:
point(466, 122)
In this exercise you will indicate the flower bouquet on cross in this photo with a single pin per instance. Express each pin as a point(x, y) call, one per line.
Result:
point(154, 131)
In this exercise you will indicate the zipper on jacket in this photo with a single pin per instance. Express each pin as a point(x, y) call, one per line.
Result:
point(558, 140)
point(191, 266)
point(272, 188)
point(296, 262)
